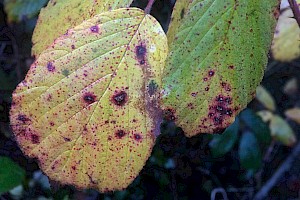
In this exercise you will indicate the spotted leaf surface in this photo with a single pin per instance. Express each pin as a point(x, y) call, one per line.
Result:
point(216, 61)
point(286, 43)
point(60, 15)
point(88, 107)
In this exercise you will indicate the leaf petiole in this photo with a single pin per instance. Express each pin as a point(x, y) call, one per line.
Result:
point(296, 11)
point(149, 6)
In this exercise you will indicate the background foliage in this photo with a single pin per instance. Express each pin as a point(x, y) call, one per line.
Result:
point(234, 165)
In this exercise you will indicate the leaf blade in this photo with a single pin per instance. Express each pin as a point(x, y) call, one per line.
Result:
point(11, 174)
point(100, 118)
point(52, 22)
point(204, 72)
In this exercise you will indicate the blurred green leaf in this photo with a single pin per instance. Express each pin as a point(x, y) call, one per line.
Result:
point(265, 98)
point(281, 131)
point(221, 144)
point(249, 152)
point(11, 174)
point(256, 124)
point(19, 9)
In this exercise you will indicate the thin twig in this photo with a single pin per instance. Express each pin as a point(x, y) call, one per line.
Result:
point(174, 185)
point(216, 191)
point(149, 6)
point(295, 9)
point(285, 166)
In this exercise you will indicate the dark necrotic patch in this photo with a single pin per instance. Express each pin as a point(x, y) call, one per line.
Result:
point(35, 139)
point(120, 134)
point(140, 51)
point(23, 118)
point(182, 13)
point(152, 88)
point(65, 72)
point(169, 114)
point(94, 29)
point(120, 98)
point(89, 98)
point(50, 67)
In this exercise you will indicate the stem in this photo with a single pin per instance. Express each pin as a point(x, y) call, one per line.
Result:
point(295, 9)
point(149, 6)
point(285, 167)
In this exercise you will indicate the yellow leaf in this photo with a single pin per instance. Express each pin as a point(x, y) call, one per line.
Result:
point(265, 98)
point(281, 131)
point(286, 42)
point(291, 86)
point(293, 114)
point(60, 15)
point(179, 11)
point(265, 115)
point(88, 107)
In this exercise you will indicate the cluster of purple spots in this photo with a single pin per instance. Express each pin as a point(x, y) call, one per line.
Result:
point(220, 109)
point(169, 114)
point(226, 86)
point(29, 134)
point(89, 98)
point(120, 134)
point(94, 29)
point(211, 73)
point(119, 98)
point(140, 52)
point(23, 118)
point(50, 67)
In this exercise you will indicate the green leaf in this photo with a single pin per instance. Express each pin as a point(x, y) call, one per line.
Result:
point(265, 98)
point(178, 14)
point(222, 144)
point(282, 132)
point(17, 10)
point(216, 61)
point(11, 174)
point(88, 109)
point(249, 152)
point(60, 15)
point(255, 123)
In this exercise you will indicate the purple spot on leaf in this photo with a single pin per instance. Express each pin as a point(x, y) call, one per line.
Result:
point(94, 29)
point(50, 67)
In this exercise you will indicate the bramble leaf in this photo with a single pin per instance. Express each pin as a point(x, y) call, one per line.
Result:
point(293, 114)
point(88, 107)
point(11, 174)
point(265, 98)
point(222, 144)
point(281, 131)
point(286, 42)
point(60, 15)
point(249, 152)
point(216, 61)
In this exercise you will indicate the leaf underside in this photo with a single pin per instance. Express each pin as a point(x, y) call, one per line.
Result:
point(216, 60)
point(88, 107)
point(61, 15)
